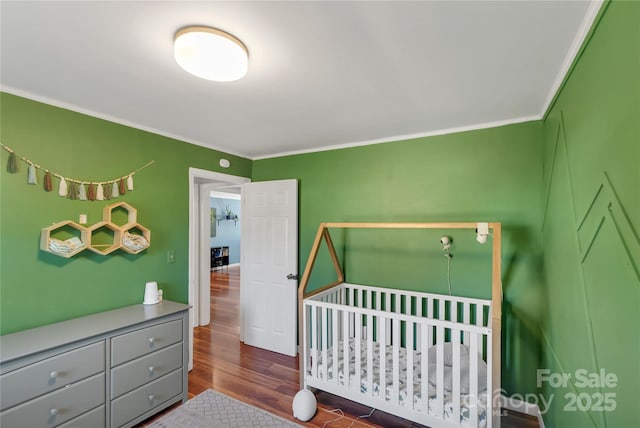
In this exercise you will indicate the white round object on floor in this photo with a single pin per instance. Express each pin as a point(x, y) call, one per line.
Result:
point(304, 405)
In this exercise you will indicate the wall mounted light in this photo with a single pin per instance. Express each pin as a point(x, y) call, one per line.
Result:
point(211, 54)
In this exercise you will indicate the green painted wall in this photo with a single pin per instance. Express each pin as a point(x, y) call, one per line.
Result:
point(591, 219)
point(486, 175)
point(36, 287)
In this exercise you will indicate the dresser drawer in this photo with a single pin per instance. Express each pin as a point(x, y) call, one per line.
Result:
point(132, 345)
point(92, 419)
point(146, 398)
point(57, 407)
point(133, 374)
point(53, 373)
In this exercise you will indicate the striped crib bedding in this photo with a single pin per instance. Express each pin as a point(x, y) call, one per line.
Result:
point(418, 401)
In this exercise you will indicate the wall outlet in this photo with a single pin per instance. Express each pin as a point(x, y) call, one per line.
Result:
point(171, 256)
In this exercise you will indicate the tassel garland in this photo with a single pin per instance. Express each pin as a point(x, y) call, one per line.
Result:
point(99, 192)
point(46, 182)
point(47, 185)
point(108, 190)
point(82, 192)
point(114, 190)
point(12, 163)
point(91, 192)
point(63, 189)
point(31, 175)
point(121, 187)
point(73, 188)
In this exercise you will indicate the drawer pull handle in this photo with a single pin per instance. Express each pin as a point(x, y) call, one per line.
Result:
point(54, 374)
point(152, 341)
point(151, 398)
point(151, 369)
point(53, 412)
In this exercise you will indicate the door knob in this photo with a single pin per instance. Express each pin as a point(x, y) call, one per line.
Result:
point(292, 276)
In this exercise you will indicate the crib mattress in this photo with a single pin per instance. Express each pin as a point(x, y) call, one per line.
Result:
point(418, 401)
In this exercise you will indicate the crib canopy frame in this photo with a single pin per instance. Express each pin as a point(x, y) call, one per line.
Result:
point(323, 234)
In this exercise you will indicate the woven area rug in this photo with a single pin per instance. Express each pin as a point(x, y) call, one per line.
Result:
point(212, 409)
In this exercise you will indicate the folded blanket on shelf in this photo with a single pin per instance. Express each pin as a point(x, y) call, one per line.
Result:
point(65, 247)
point(134, 242)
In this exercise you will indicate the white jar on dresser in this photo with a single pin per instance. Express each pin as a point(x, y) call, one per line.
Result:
point(110, 369)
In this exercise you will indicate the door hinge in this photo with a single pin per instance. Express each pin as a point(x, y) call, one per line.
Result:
point(292, 276)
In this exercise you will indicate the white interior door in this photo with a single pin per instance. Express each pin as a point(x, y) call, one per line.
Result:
point(269, 254)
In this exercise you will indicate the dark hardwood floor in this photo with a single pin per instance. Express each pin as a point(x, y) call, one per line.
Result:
point(269, 380)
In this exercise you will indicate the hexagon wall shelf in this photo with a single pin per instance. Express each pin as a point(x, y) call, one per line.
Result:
point(135, 239)
point(64, 239)
point(103, 229)
point(67, 238)
point(109, 211)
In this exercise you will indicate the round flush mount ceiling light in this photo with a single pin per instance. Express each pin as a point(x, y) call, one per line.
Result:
point(211, 54)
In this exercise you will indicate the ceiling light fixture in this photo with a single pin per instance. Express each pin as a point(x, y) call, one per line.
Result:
point(211, 54)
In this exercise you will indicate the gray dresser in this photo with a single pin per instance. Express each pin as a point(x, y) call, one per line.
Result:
point(110, 369)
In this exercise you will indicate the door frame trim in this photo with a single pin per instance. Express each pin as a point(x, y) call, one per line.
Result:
point(197, 178)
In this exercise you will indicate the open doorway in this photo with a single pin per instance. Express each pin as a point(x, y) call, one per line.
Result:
point(225, 236)
point(201, 184)
point(268, 290)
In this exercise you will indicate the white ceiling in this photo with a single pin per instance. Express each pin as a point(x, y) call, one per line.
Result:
point(321, 74)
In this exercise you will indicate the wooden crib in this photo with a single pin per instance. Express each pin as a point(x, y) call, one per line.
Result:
point(430, 358)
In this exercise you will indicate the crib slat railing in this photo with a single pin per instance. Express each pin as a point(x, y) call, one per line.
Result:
point(430, 306)
point(407, 294)
point(353, 298)
point(396, 339)
point(314, 341)
point(493, 405)
point(409, 331)
point(439, 371)
point(324, 337)
point(382, 356)
point(306, 355)
point(455, 390)
point(370, 354)
point(401, 317)
point(357, 378)
point(473, 380)
point(395, 390)
point(387, 308)
point(419, 303)
point(346, 321)
point(335, 336)
point(424, 369)
point(466, 318)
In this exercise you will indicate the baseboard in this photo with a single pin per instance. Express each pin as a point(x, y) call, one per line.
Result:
point(516, 405)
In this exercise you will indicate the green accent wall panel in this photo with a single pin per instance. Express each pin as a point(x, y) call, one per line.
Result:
point(566, 328)
point(558, 410)
point(591, 210)
point(38, 288)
